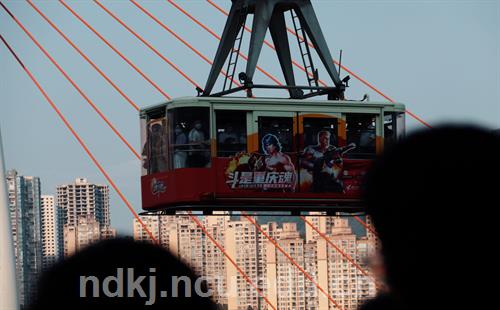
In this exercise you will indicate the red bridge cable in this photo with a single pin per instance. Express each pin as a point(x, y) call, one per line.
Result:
point(77, 137)
point(215, 35)
point(106, 175)
point(151, 47)
point(119, 192)
point(365, 82)
point(362, 80)
point(344, 254)
point(197, 52)
point(279, 248)
point(78, 89)
point(368, 227)
point(129, 62)
point(68, 40)
point(245, 276)
point(274, 79)
point(123, 197)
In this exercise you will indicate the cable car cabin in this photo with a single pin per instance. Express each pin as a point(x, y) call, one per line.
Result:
point(205, 153)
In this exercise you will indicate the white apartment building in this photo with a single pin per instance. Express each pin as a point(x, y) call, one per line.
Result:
point(52, 230)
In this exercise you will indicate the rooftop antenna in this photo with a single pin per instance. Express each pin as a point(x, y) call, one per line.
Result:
point(340, 61)
point(345, 80)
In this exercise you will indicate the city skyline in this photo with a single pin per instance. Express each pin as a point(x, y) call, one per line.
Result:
point(46, 228)
point(283, 284)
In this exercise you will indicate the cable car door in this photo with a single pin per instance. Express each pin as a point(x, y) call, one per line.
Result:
point(321, 145)
point(274, 141)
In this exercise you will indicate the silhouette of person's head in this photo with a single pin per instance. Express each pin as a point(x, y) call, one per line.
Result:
point(430, 198)
point(110, 268)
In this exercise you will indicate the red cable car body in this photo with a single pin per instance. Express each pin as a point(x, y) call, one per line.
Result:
point(209, 153)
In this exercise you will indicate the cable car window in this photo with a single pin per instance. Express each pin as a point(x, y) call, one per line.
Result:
point(231, 128)
point(144, 135)
point(400, 125)
point(190, 137)
point(389, 128)
point(361, 133)
point(154, 152)
point(394, 127)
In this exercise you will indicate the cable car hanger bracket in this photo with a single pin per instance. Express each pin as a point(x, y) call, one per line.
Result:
point(270, 14)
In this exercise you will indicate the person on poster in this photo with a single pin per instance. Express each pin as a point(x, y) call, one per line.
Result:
point(276, 160)
point(315, 152)
point(324, 162)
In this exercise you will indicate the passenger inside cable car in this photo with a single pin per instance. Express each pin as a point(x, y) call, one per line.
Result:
point(207, 151)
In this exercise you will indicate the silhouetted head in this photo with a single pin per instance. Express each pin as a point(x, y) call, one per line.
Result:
point(198, 124)
point(156, 128)
point(431, 197)
point(109, 268)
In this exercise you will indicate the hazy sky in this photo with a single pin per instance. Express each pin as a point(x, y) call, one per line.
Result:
point(440, 58)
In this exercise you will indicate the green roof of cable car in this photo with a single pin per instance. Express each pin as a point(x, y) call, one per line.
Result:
point(278, 102)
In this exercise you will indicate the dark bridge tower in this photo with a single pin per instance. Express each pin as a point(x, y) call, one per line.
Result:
point(270, 14)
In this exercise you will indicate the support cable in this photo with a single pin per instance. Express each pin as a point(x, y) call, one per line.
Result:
point(72, 82)
point(151, 47)
point(179, 38)
point(183, 11)
point(68, 40)
point(77, 137)
point(99, 166)
point(128, 61)
point(365, 225)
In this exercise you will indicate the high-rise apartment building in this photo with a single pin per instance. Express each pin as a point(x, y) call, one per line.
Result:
point(243, 245)
point(86, 214)
point(52, 221)
point(284, 285)
point(215, 261)
point(82, 198)
point(24, 204)
point(183, 238)
point(285, 282)
point(152, 222)
point(321, 222)
point(345, 284)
